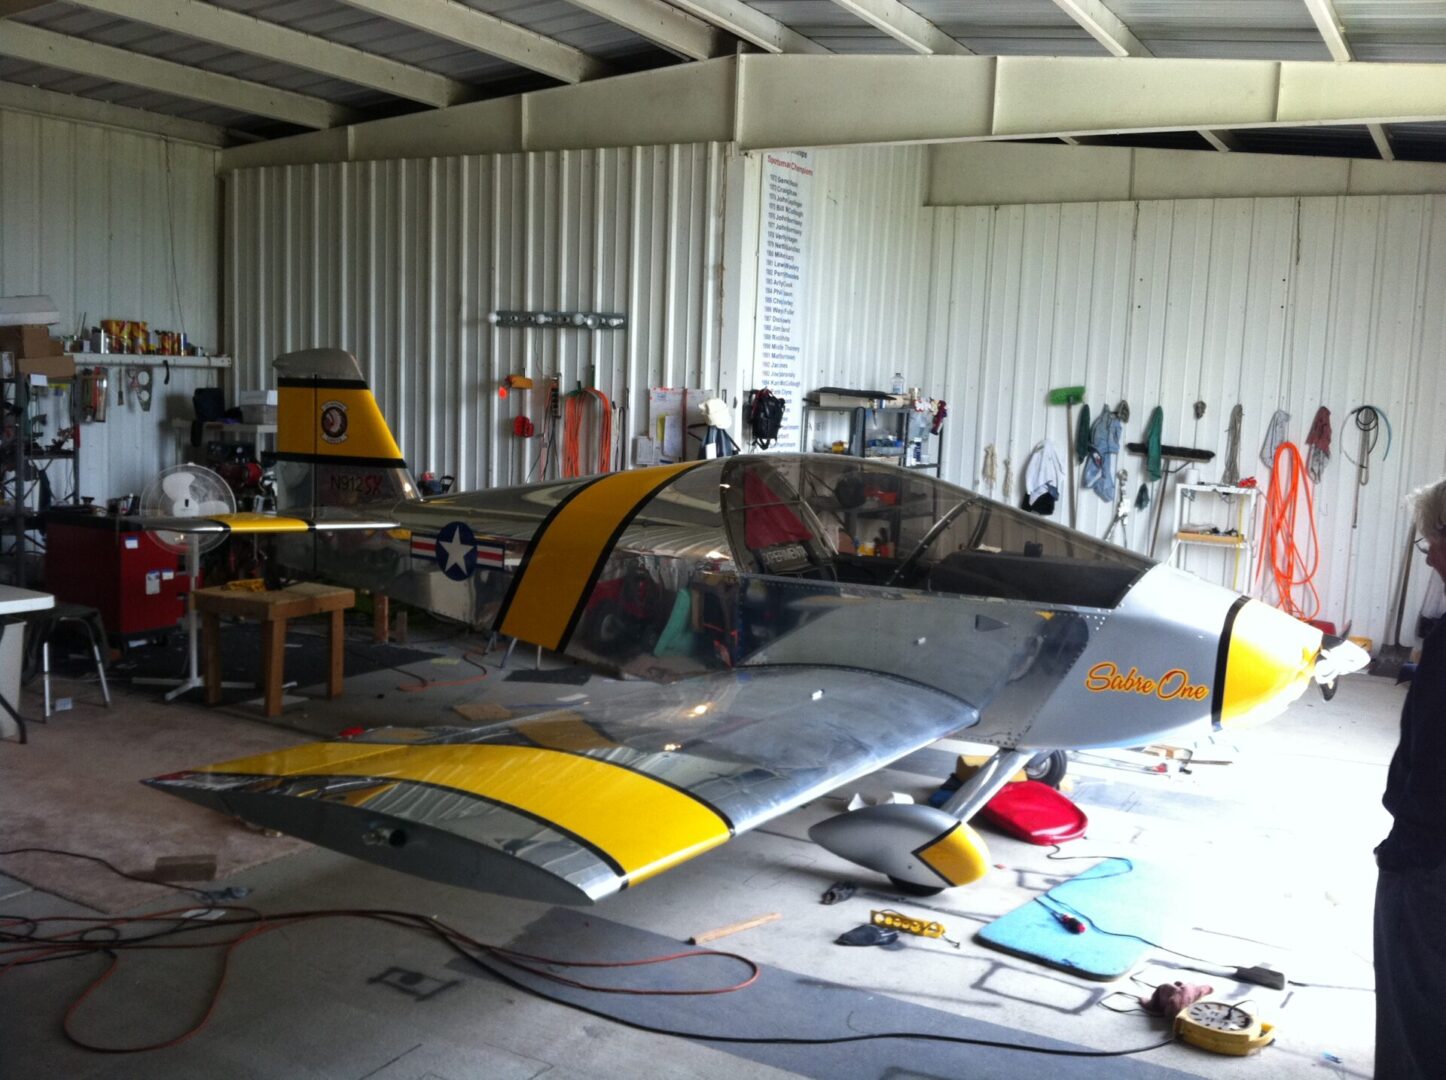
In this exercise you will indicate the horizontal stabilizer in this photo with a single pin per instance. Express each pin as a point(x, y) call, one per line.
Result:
point(321, 519)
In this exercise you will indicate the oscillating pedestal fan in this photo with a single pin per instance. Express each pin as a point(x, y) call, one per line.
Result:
point(187, 491)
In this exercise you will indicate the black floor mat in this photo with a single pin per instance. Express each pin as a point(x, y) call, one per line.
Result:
point(307, 659)
point(566, 676)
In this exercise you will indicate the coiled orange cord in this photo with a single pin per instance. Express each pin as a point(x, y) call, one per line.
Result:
point(1288, 566)
point(572, 432)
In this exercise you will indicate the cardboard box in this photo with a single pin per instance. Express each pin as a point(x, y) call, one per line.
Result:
point(28, 340)
point(53, 367)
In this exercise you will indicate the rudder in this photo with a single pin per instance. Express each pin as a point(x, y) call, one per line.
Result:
point(333, 446)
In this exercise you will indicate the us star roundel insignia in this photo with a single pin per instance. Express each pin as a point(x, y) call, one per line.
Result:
point(457, 551)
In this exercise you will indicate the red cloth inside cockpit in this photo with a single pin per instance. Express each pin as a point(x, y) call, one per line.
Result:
point(767, 518)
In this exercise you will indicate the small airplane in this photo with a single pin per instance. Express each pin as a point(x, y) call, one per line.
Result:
point(802, 621)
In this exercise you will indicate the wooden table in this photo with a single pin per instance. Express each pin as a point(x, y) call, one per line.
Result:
point(272, 610)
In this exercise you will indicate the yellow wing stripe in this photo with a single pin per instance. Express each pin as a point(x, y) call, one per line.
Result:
point(299, 412)
point(641, 824)
point(563, 557)
point(959, 856)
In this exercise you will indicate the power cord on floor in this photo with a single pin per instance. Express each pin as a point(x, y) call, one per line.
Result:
point(24, 949)
point(200, 894)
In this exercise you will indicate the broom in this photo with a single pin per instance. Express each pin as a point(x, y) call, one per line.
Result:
point(1069, 397)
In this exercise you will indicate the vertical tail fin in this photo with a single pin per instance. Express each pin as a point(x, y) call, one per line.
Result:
point(333, 447)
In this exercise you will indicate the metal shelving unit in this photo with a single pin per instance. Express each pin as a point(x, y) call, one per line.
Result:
point(894, 421)
point(1241, 501)
point(17, 462)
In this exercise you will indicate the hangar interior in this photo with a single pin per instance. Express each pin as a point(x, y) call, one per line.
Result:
point(941, 233)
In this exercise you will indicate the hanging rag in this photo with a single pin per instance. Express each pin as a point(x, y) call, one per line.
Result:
point(1007, 491)
point(1043, 474)
point(1319, 441)
point(1154, 463)
point(1122, 410)
point(990, 473)
point(1142, 497)
point(1104, 451)
point(1231, 475)
point(1082, 435)
point(1274, 436)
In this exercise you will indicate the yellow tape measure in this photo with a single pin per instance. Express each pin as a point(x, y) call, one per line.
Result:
point(1222, 1028)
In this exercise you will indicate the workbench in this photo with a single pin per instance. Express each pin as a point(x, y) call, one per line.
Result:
point(273, 609)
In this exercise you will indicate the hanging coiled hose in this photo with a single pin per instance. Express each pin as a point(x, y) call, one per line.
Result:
point(1289, 566)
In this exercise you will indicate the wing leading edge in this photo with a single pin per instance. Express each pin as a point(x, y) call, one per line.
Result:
point(570, 807)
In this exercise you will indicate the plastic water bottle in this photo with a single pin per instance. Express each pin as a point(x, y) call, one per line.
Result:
point(898, 386)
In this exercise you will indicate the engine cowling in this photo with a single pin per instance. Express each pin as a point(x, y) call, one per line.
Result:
point(915, 844)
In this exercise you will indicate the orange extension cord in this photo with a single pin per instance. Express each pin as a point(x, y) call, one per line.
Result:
point(572, 432)
point(1288, 566)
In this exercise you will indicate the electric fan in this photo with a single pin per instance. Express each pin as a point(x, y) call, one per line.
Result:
point(187, 491)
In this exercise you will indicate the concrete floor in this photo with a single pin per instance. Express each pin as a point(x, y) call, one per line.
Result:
point(1272, 854)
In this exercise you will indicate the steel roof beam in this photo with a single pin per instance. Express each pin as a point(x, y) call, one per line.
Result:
point(1220, 139)
point(1332, 31)
point(39, 46)
point(750, 25)
point(40, 102)
point(663, 24)
point(271, 41)
point(489, 34)
point(1104, 26)
point(905, 25)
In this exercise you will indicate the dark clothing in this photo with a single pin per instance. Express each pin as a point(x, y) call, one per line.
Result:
point(1416, 784)
point(1410, 974)
point(1410, 930)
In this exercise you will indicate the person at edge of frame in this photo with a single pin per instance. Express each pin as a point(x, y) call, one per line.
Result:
point(1410, 922)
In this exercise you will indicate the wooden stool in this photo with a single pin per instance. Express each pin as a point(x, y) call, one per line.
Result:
point(272, 610)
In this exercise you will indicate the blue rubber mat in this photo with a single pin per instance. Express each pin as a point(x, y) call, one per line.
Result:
point(1118, 895)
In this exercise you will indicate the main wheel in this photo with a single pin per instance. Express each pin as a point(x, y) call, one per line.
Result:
point(1048, 767)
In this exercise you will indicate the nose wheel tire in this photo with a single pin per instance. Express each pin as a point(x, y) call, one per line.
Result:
point(908, 888)
point(1048, 767)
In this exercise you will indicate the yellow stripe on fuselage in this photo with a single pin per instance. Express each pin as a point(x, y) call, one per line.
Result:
point(642, 824)
point(299, 429)
point(563, 557)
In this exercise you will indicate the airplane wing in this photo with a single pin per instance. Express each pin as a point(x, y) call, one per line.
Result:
point(321, 520)
point(570, 806)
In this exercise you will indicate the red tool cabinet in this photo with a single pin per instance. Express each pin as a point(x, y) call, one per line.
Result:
point(138, 586)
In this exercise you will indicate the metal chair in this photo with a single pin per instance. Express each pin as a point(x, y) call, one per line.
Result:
point(87, 617)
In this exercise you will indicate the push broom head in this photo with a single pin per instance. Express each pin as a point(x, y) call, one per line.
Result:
point(1066, 395)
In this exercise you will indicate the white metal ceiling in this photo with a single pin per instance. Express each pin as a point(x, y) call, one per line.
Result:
point(1377, 30)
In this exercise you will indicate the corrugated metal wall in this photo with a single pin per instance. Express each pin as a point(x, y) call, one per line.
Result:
point(112, 224)
point(402, 261)
point(1273, 303)
point(866, 268)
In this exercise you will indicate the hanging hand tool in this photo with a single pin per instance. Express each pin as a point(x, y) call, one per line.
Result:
point(1069, 397)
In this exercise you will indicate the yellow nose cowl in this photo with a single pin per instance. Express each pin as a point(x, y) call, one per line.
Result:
point(1265, 662)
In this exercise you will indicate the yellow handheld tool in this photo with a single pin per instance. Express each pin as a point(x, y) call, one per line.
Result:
point(1222, 1028)
point(896, 920)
